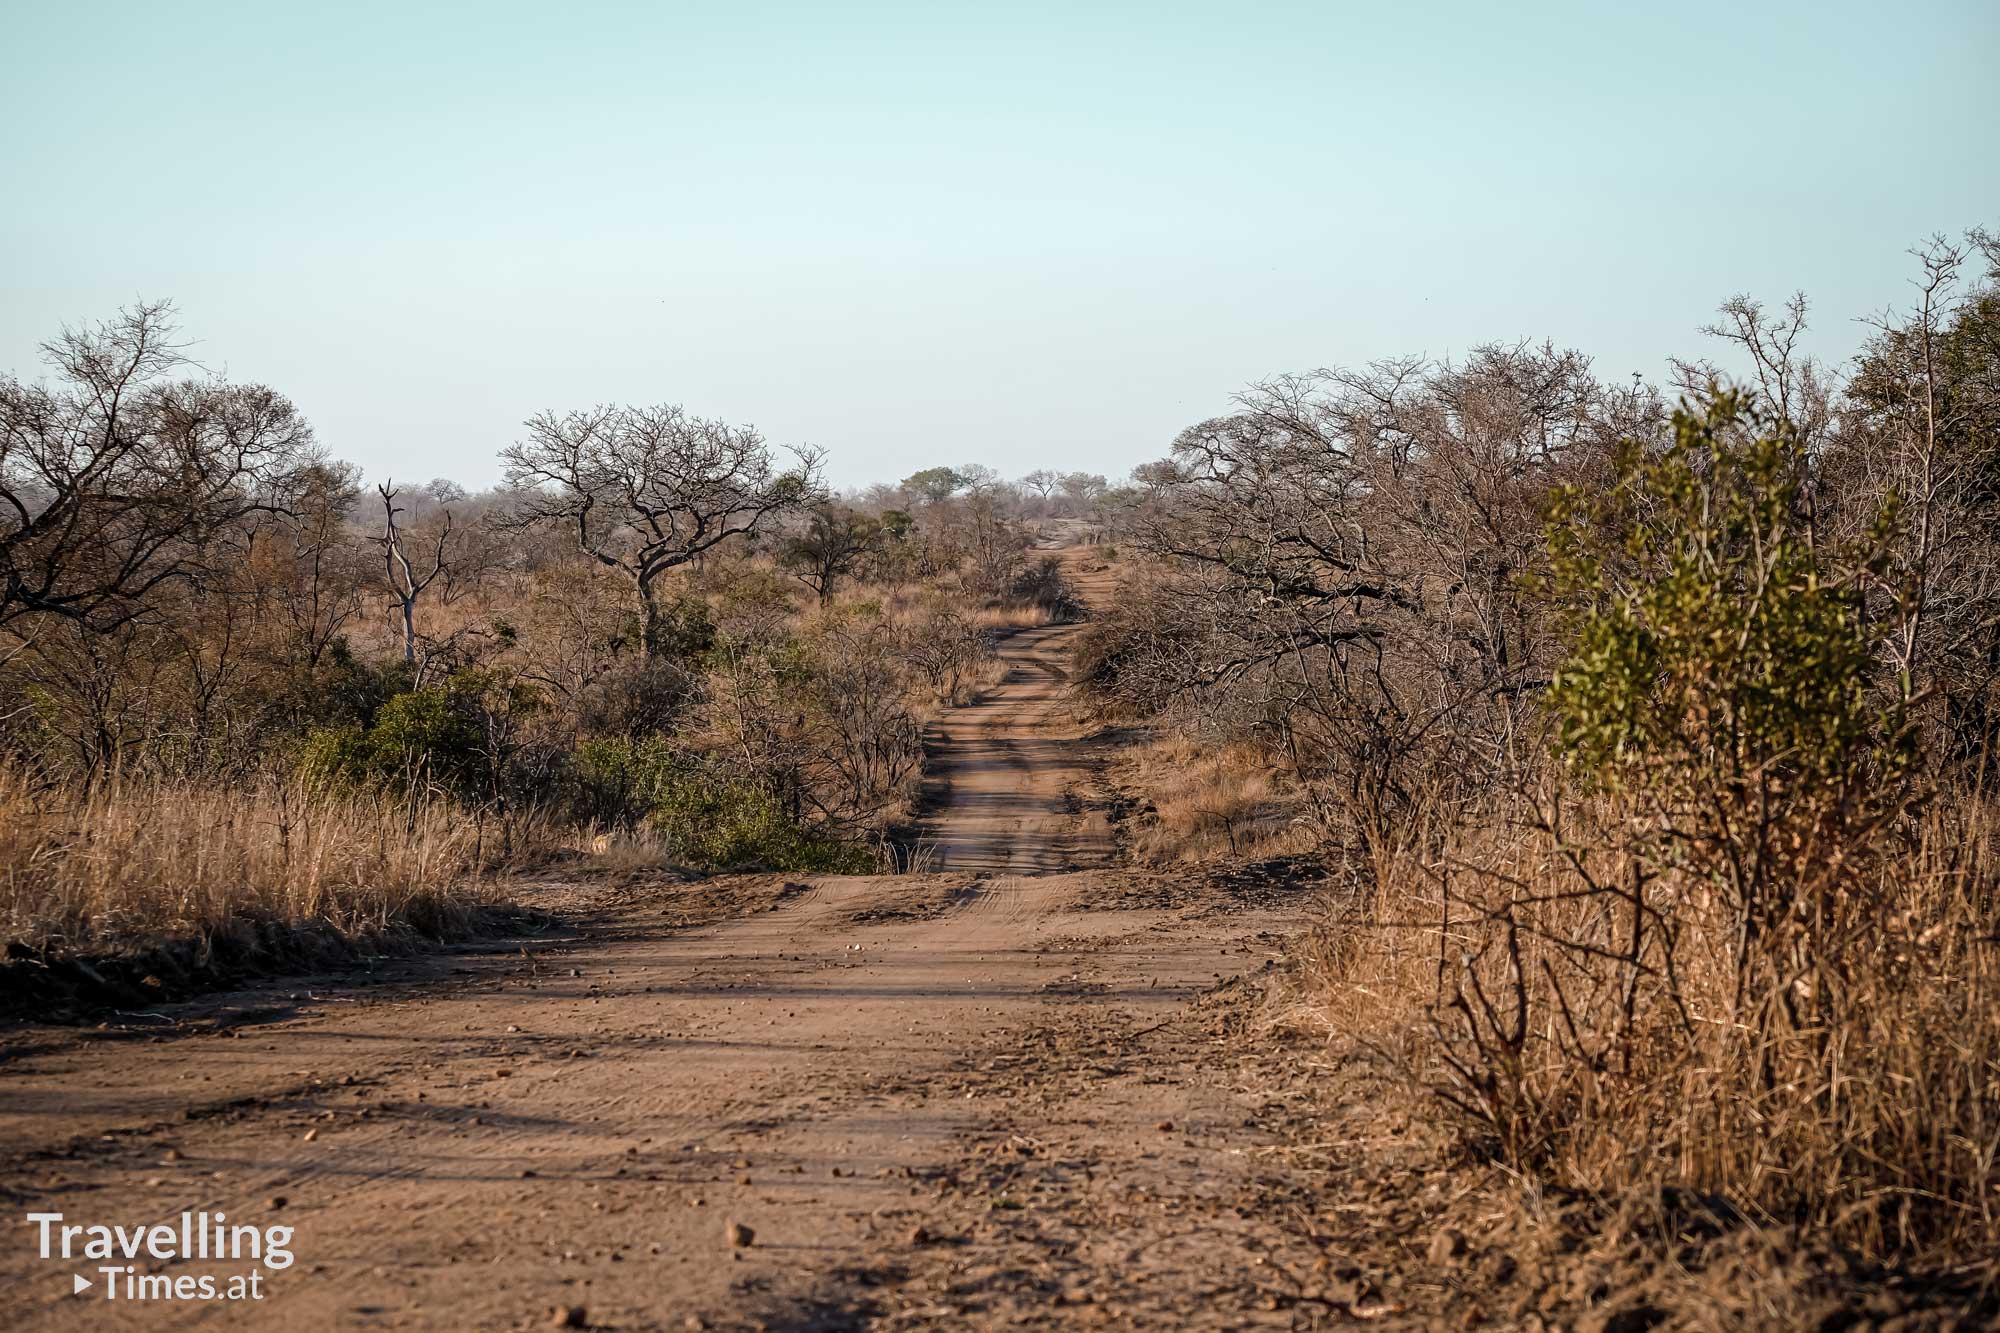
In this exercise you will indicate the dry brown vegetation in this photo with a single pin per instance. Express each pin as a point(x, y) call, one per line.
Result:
point(1605, 1073)
point(1650, 745)
point(90, 869)
point(1206, 801)
point(140, 889)
point(240, 693)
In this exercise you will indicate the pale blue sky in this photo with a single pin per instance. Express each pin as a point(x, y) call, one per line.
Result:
point(1024, 234)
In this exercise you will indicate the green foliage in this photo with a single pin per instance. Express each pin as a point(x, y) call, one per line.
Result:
point(934, 483)
point(710, 818)
point(437, 738)
point(1952, 376)
point(345, 689)
point(1709, 634)
point(418, 739)
point(733, 824)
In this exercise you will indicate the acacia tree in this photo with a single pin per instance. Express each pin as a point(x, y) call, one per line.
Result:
point(1082, 489)
point(979, 479)
point(648, 489)
point(829, 548)
point(1042, 481)
point(115, 478)
point(935, 484)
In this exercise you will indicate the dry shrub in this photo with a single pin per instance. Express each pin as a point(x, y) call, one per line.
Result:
point(1734, 945)
point(626, 853)
point(1004, 616)
point(1210, 800)
point(91, 871)
point(1858, 1096)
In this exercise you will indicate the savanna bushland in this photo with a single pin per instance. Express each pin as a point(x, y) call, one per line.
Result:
point(251, 697)
point(1647, 733)
point(1622, 750)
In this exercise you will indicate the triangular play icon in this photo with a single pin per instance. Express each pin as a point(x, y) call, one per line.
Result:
point(82, 1284)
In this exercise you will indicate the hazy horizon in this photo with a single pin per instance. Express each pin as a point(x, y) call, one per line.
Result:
point(1032, 238)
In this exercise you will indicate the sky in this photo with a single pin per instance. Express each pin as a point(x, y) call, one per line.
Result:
point(1028, 235)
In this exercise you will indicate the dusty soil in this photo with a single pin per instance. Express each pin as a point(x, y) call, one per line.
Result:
point(992, 1094)
point(1013, 772)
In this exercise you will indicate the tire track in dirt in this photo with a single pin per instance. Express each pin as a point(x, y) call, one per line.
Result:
point(1015, 760)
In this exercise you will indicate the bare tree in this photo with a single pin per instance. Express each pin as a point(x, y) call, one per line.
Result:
point(1920, 417)
point(1042, 481)
point(1935, 475)
point(1082, 488)
point(993, 540)
point(649, 489)
point(947, 649)
point(829, 548)
point(114, 479)
point(307, 567)
point(406, 585)
point(1793, 385)
point(979, 479)
point(1352, 550)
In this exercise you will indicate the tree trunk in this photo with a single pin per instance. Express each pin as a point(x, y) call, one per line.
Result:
point(409, 631)
point(649, 620)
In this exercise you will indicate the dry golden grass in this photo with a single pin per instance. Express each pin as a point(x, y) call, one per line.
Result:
point(1864, 1105)
point(1211, 800)
point(133, 862)
point(624, 853)
point(1008, 615)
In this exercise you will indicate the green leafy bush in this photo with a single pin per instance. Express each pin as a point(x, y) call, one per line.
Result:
point(1727, 953)
point(452, 738)
point(1710, 636)
point(1722, 669)
point(709, 818)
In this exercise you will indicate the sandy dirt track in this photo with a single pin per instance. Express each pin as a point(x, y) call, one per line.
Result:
point(1001, 1094)
point(1014, 766)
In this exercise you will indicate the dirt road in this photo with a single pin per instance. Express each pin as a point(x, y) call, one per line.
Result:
point(1014, 766)
point(993, 1095)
